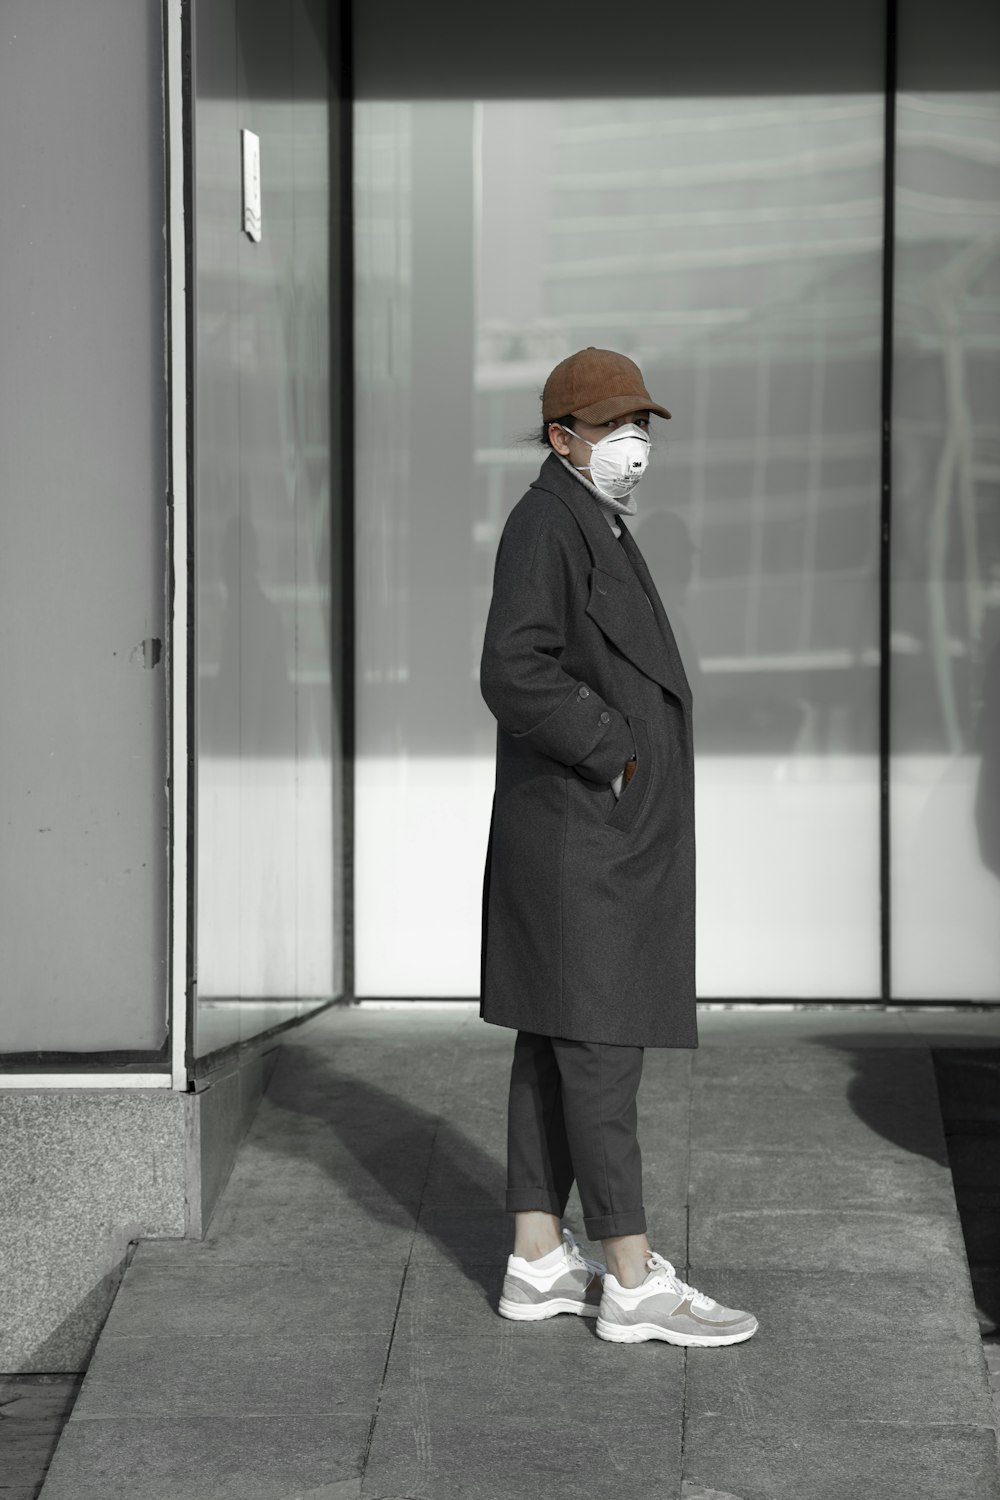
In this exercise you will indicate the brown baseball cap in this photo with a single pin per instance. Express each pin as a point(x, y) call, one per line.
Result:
point(596, 385)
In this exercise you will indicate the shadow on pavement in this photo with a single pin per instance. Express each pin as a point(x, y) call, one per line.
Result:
point(966, 1102)
point(396, 1143)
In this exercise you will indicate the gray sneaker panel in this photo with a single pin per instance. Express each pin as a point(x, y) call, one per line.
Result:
point(688, 1319)
point(648, 1310)
point(571, 1283)
point(717, 1316)
point(678, 1315)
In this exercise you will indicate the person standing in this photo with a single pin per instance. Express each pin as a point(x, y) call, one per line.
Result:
point(588, 942)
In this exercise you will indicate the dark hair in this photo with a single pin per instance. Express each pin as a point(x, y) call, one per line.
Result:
point(543, 436)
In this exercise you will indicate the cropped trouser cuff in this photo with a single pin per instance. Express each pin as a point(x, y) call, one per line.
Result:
point(633, 1222)
point(603, 1227)
point(534, 1200)
point(572, 1114)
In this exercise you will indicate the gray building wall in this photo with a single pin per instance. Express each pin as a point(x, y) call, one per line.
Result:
point(83, 806)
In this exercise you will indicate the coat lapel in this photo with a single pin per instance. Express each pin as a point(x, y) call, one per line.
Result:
point(623, 601)
point(681, 686)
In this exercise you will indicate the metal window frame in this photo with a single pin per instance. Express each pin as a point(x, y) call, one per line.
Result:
point(885, 503)
point(182, 784)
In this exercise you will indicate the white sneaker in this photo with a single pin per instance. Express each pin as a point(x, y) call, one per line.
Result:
point(562, 1281)
point(664, 1307)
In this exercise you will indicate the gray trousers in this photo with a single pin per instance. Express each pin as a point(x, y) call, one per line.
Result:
point(572, 1114)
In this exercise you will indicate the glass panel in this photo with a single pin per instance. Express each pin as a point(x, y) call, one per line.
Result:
point(268, 533)
point(733, 247)
point(946, 536)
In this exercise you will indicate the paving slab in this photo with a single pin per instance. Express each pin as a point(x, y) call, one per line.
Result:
point(722, 1117)
point(776, 1381)
point(198, 1295)
point(451, 1301)
point(986, 1286)
point(415, 1456)
point(828, 1239)
point(968, 1084)
point(335, 1336)
point(34, 1410)
point(544, 1409)
point(779, 1178)
point(749, 1459)
point(981, 1228)
point(950, 1028)
point(974, 1157)
point(476, 1236)
point(664, 1180)
point(306, 1228)
point(451, 1182)
point(207, 1458)
point(366, 1166)
point(238, 1375)
point(275, 1182)
point(760, 1026)
point(812, 1307)
point(833, 1069)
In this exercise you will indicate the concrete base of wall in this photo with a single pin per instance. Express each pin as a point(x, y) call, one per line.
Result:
point(84, 1174)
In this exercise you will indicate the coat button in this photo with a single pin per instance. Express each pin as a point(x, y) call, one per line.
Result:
point(585, 692)
point(605, 718)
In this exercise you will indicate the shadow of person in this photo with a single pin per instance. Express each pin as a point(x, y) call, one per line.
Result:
point(899, 1094)
point(893, 1092)
point(416, 1157)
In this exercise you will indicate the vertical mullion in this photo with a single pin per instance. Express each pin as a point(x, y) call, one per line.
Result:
point(885, 520)
point(344, 241)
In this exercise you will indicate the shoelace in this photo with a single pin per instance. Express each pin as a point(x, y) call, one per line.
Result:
point(698, 1299)
point(577, 1257)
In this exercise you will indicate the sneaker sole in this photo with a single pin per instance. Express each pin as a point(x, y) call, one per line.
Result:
point(638, 1333)
point(522, 1312)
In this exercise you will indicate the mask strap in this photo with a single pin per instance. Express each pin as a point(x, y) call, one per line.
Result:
point(578, 435)
point(642, 436)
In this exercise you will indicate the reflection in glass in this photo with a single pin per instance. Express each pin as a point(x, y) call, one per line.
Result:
point(946, 549)
point(733, 248)
point(268, 774)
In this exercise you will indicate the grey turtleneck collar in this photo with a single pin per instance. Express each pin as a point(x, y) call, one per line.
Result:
point(609, 508)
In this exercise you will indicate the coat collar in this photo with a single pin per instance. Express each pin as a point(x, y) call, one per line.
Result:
point(623, 602)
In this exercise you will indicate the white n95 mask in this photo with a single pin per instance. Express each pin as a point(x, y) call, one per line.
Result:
point(618, 461)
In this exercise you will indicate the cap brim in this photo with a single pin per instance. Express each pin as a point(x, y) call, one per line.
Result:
point(617, 406)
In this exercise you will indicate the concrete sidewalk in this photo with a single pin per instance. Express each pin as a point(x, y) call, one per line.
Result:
point(335, 1334)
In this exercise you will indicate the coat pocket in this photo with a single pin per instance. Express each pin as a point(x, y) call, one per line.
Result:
point(625, 811)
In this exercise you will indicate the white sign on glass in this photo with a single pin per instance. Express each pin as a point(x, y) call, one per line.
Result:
point(251, 184)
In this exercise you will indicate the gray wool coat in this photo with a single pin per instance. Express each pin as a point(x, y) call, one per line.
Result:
point(588, 901)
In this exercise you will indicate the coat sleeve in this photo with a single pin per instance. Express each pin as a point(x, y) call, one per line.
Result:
point(520, 676)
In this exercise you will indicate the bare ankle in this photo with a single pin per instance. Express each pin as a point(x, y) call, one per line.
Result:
point(625, 1256)
point(536, 1234)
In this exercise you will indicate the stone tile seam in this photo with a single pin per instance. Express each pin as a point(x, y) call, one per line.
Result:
point(370, 1438)
point(849, 1424)
point(272, 1335)
point(897, 1211)
point(873, 1143)
point(453, 1051)
point(201, 1413)
point(465, 1335)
